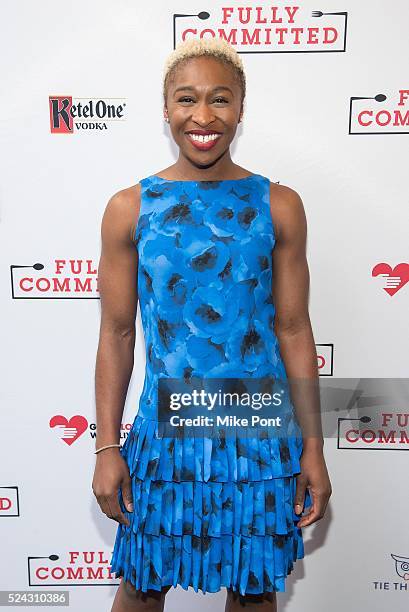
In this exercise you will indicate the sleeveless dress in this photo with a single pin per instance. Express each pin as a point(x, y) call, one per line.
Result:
point(208, 512)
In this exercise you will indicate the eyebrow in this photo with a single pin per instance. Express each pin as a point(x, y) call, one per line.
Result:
point(190, 88)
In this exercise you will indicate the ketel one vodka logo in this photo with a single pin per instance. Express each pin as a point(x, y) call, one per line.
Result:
point(71, 568)
point(266, 29)
point(68, 114)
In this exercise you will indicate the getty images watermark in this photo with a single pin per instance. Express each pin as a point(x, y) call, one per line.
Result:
point(359, 413)
point(223, 401)
point(228, 405)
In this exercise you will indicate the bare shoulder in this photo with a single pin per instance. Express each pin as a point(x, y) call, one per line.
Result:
point(287, 211)
point(121, 213)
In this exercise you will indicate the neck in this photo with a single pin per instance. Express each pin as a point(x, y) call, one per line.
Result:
point(218, 169)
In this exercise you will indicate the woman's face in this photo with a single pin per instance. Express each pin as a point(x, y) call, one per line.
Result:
point(204, 97)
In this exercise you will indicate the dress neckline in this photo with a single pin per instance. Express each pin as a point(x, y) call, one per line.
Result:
point(244, 178)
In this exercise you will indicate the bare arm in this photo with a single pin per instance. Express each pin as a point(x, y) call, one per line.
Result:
point(296, 340)
point(117, 283)
point(292, 322)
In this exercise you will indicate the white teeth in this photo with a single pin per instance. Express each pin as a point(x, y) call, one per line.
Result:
point(206, 138)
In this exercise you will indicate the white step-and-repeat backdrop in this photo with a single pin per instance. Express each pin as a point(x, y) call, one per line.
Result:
point(327, 113)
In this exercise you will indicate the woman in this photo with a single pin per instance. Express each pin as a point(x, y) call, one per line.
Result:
point(197, 243)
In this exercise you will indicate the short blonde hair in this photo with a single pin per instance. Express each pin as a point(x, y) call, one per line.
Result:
point(218, 48)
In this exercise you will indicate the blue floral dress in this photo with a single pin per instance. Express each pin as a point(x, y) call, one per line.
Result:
point(209, 512)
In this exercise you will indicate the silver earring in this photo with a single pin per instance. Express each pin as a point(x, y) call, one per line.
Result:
point(167, 119)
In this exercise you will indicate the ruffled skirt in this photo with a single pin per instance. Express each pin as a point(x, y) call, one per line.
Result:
point(210, 512)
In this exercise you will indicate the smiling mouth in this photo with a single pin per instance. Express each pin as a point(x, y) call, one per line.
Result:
point(203, 142)
point(203, 139)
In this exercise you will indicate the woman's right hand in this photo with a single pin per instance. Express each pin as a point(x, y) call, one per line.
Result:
point(111, 474)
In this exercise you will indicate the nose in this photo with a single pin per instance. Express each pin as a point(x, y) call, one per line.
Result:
point(203, 114)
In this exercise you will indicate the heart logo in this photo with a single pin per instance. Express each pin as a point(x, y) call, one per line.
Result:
point(71, 430)
point(394, 279)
